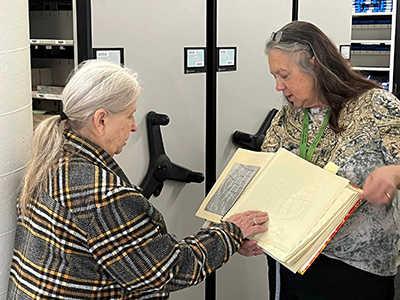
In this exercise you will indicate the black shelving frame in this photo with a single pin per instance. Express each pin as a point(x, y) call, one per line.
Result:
point(211, 111)
point(396, 64)
point(211, 118)
point(84, 30)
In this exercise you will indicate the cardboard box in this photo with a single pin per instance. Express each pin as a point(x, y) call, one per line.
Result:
point(35, 75)
point(54, 90)
point(46, 76)
point(38, 117)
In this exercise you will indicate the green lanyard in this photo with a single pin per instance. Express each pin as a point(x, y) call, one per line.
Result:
point(304, 153)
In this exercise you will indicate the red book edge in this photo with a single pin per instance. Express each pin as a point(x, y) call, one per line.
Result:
point(302, 271)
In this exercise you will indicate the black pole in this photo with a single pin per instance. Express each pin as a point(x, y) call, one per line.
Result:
point(295, 10)
point(84, 30)
point(396, 66)
point(211, 116)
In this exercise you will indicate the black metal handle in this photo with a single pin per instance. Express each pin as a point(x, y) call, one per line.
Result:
point(254, 141)
point(160, 167)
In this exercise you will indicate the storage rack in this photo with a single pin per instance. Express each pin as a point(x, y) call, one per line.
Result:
point(373, 36)
point(54, 38)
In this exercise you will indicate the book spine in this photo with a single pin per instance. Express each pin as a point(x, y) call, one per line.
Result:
point(302, 271)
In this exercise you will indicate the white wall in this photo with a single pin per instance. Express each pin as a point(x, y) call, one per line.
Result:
point(332, 17)
point(15, 121)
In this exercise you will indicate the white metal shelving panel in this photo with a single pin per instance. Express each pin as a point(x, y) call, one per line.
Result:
point(373, 41)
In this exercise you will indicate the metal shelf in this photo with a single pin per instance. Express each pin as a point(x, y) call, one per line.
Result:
point(388, 42)
point(36, 95)
point(372, 14)
point(380, 69)
point(46, 42)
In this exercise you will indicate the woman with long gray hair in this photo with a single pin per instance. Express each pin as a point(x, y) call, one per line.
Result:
point(333, 114)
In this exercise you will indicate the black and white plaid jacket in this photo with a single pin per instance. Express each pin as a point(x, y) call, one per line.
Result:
point(94, 236)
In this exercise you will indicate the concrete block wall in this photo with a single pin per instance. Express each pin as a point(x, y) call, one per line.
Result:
point(15, 121)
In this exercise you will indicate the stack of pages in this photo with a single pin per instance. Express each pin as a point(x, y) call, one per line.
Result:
point(306, 204)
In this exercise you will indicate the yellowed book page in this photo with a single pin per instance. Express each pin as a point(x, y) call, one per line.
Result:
point(300, 260)
point(243, 167)
point(334, 216)
point(295, 193)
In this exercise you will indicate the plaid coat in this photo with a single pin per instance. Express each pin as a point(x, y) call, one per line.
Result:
point(94, 236)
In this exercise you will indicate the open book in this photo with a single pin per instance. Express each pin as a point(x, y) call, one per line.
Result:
point(306, 204)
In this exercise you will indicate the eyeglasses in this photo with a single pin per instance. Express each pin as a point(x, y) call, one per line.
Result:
point(277, 37)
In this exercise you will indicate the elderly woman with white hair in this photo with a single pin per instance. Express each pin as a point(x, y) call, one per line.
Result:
point(84, 231)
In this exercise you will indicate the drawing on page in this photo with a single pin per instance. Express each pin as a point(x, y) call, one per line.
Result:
point(286, 203)
point(231, 188)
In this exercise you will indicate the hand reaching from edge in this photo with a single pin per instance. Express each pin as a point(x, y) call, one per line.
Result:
point(250, 248)
point(381, 185)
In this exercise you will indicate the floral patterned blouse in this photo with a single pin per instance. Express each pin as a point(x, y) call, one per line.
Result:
point(368, 239)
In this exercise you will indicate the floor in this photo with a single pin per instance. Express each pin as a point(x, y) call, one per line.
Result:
point(397, 285)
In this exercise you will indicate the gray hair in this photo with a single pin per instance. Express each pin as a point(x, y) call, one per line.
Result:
point(302, 49)
point(98, 84)
point(335, 82)
point(92, 85)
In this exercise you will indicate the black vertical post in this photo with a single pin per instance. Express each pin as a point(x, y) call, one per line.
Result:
point(211, 116)
point(295, 10)
point(396, 45)
point(84, 29)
